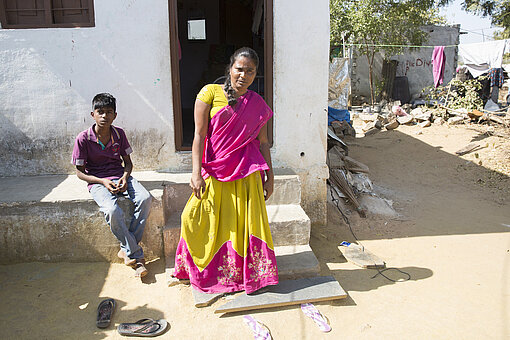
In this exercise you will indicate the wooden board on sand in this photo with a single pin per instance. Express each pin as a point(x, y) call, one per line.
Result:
point(288, 292)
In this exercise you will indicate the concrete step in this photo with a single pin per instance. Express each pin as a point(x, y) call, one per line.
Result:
point(293, 262)
point(287, 190)
point(55, 229)
point(54, 218)
point(289, 224)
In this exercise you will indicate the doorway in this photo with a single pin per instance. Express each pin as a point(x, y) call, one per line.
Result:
point(203, 35)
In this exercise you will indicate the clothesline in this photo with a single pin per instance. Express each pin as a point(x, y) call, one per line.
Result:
point(385, 45)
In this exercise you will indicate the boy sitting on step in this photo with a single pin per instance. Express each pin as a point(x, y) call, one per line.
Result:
point(98, 155)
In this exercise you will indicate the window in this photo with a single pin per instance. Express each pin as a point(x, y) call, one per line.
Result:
point(46, 13)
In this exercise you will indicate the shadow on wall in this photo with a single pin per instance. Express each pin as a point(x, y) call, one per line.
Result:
point(46, 102)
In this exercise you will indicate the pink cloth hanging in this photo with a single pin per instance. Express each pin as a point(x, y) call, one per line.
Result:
point(438, 65)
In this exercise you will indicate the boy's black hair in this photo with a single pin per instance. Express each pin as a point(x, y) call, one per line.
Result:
point(104, 100)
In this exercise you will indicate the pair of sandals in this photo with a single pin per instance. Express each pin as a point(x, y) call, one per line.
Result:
point(261, 332)
point(143, 328)
point(137, 264)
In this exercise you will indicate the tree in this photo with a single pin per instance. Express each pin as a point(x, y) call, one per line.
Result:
point(380, 26)
point(498, 10)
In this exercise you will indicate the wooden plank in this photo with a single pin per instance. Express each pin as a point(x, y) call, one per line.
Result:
point(360, 256)
point(286, 293)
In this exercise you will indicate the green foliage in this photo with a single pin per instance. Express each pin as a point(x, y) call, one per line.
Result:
point(372, 23)
point(498, 10)
point(382, 22)
point(458, 94)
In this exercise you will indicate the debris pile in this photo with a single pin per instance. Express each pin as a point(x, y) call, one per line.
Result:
point(348, 179)
point(389, 116)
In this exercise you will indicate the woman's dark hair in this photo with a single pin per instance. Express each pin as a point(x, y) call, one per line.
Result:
point(242, 52)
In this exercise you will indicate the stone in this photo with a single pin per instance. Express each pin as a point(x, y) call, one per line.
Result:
point(286, 293)
point(368, 117)
point(438, 121)
point(376, 205)
point(416, 112)
point(372, 131)
point(204, 299)
point(455, 120)
point(368, 126)
point(468, 148)
point(425, 123)
point(405, 119)
point(360, 256)
point(475, 114)
point(392, 125)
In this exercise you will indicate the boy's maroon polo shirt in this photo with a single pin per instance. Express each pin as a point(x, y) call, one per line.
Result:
point(101, 163)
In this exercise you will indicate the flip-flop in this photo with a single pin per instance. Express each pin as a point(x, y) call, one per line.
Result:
point(104, 313)
point(260, 331)
point(311, 311)
point(143, 327)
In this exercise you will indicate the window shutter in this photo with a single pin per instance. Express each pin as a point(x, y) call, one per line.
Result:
point(71, 11)
point(25, 12)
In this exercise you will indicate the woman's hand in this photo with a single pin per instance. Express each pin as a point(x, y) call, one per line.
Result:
point(268, 187)
point(197, 184)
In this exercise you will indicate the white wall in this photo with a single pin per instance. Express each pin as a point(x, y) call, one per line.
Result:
point(301, 66)
point(49, 76)
point(415, 64)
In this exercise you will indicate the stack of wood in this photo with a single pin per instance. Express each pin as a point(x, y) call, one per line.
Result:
point(340, 167)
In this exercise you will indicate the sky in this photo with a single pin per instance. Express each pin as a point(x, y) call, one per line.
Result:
point(478, 28)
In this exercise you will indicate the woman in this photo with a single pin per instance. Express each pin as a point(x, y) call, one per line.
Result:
point(226, 243)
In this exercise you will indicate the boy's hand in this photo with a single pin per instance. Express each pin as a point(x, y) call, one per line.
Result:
point(122, 184)
point(111, 186)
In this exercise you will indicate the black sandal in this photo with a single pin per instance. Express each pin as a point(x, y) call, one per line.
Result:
point(143, 327)
point(105, 312)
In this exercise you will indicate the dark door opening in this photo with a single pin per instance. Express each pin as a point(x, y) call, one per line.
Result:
point(203, 35)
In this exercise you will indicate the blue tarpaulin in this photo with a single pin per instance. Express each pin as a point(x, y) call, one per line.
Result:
point(337, 114)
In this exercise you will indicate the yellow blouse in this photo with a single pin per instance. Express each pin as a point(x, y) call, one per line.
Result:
point(213, 95)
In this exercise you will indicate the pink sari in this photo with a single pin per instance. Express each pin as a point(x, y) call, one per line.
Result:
point(231, 148)
point(226, 243)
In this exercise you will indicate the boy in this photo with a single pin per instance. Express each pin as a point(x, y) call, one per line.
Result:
point(98, 155)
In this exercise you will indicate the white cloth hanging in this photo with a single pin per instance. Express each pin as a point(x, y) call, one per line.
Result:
point(480, 57)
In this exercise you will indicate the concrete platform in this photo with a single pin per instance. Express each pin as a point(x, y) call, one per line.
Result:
point(54, 218)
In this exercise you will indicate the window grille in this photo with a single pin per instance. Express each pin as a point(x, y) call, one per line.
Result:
point(46, 13)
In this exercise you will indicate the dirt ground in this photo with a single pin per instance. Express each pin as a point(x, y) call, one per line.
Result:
point(452, 236)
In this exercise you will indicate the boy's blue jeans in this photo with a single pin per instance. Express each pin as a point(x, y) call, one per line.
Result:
point(128, 236)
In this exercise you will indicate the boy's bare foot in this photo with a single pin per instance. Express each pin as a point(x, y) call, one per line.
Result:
point(127, 261)
point(141, 271)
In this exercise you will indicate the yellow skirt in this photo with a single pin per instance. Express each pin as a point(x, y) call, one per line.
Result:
point(226, 243)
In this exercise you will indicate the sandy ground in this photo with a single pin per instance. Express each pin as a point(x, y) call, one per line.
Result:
point(452, 236)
